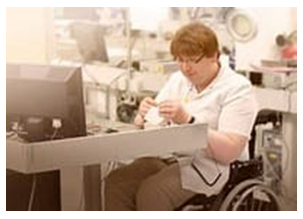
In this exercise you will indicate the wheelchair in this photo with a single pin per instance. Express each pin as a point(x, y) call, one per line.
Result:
point(244, 191)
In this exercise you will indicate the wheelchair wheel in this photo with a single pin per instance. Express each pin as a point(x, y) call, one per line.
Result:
point(251, 195)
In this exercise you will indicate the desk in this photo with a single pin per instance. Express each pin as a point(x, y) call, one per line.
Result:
point(72, 156)
point(272, 99)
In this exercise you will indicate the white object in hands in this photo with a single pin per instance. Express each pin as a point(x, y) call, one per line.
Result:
point(152, 117)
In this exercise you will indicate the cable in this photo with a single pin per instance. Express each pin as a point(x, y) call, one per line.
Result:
point(57, 124)
point(32, 194)
point(81, 202)
point(54, 134)
point(110, 166)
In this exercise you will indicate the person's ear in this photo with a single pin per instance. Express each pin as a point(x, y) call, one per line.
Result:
point(215, 57)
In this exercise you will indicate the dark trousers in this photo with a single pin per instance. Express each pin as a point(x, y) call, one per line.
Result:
point(146, 184)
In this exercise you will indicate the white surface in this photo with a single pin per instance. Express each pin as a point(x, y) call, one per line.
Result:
point(71, 156)
point(270, 99)
point(289, 158)
point(293, 102)
point(152, 116)
point(101, 74)
point(148, 18)
point(276, 100)
point(29, 35)
point(53, 155)
point(151, 81)
point(271, 21)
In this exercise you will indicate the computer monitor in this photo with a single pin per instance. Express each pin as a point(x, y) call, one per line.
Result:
point(90, 39)
point(44, 102)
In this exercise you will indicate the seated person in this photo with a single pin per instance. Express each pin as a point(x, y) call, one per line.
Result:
point(203, 91)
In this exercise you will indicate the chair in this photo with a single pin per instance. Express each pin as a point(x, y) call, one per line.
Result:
point(244, 190)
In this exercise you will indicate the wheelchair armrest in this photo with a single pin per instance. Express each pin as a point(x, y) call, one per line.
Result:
point(242, 170)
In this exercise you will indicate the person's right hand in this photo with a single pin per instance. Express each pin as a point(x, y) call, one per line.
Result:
point(145, 105)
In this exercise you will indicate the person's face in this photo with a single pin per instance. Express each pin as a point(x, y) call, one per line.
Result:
point(197, 68)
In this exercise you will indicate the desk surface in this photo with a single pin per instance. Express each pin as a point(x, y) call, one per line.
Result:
point(277, 100)
point(82, 151)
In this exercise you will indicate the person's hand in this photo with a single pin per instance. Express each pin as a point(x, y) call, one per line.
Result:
point(173, 111)
point(145, 105)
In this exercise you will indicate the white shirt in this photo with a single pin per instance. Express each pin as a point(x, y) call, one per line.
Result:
point(227, 104)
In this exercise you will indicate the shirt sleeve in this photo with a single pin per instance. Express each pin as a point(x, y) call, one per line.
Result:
point(170, 88)
point(239, 110)
point(167, 92)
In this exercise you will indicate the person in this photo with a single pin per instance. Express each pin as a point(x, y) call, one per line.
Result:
point(203, 91)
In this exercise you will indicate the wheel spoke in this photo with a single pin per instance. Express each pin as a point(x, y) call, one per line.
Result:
point(251, 195)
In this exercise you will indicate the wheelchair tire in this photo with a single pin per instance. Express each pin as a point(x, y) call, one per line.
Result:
point(251, 195)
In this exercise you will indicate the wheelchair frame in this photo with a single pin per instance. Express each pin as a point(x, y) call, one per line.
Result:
point(244, 190)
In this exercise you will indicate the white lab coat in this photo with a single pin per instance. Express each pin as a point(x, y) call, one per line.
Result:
point(227, 104)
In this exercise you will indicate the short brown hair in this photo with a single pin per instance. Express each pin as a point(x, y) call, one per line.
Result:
point(194, 39)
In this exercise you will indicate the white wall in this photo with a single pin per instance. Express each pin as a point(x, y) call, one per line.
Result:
point(271, 21)
point(29, 34)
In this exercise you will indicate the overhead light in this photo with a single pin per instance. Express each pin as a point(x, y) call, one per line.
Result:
point(241, 25)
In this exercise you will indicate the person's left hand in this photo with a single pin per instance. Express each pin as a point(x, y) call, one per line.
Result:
point(173, 111)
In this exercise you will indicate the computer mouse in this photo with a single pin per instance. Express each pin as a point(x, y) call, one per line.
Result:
point(111, 130)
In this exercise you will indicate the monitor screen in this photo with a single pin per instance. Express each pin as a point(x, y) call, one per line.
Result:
point(90, 40)
point(44, 102)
